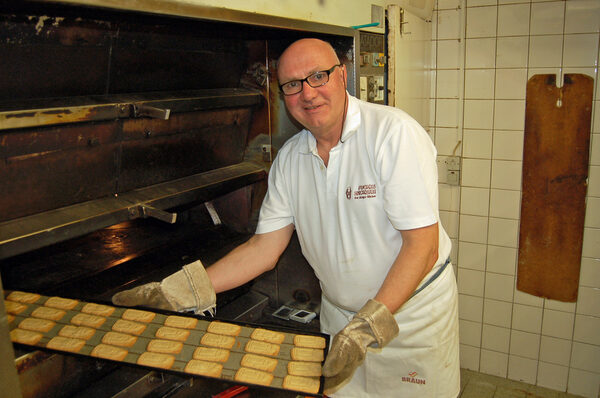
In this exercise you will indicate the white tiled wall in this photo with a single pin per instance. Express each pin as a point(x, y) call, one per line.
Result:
point(484, 51)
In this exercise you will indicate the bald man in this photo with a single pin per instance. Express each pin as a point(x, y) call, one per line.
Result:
point(359, 186)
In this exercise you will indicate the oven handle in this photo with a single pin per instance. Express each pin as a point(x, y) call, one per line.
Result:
point(149, 211)
point(144, 110)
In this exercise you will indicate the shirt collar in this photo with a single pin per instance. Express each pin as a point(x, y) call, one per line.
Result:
point(353, 119)
point(351, 125)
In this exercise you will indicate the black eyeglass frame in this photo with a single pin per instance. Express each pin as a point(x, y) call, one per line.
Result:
point(301, 81)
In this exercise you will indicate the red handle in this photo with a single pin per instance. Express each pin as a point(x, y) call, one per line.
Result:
point(231, 392)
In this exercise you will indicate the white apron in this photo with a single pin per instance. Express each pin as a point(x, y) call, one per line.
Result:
point(422, 361)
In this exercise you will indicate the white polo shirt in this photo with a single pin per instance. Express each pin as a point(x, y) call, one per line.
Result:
point(381, 178)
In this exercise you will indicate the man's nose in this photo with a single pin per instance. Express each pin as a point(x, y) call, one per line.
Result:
point(307, 90)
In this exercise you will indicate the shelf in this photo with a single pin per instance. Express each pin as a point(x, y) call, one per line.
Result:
point(32, 232)
point(53, 111)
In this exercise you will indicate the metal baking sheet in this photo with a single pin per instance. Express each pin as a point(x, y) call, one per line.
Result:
point(189, 345)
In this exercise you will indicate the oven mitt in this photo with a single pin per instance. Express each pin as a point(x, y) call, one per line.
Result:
point(189, 289)
point(374, 325)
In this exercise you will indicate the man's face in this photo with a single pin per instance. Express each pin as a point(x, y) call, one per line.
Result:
point(318, 109)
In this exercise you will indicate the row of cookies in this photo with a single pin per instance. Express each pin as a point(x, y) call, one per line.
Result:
point(161, 354)
point(54, 308)
point(301, 375)
point(96, 315)
point(169, 340)
point(138, 337)
point(260, 360)
point(132, 322)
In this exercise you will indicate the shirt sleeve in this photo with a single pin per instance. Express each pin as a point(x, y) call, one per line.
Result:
point(408, 175)
point(275, 211)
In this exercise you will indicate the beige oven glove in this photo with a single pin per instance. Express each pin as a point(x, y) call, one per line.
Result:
point(189, 289)
point(374, 325)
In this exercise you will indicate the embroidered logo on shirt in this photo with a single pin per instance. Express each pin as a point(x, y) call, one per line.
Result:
point(348, 193)
point(365, 191)
point(412, 378)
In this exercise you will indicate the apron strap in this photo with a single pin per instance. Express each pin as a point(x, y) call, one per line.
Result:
point(433, 277)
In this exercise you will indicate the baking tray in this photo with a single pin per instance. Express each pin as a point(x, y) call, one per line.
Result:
point(189, 345)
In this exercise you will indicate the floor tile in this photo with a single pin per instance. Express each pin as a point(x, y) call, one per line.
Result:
point(479, 385)
point(511, 392)
point(473, 390)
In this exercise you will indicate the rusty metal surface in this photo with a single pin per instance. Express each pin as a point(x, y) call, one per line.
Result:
point(555, 171)
point(94, 52)
point(54, 167)
point(44, 117)
point(48, 375)
point(22, 114)
point(155, 151)
point(140, 53)
point(47, 168)
point(35, 231)
point(153, 51)
point(63, 42)
point(30, 360)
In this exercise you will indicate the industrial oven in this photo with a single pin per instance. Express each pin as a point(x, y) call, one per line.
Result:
point(136, 137)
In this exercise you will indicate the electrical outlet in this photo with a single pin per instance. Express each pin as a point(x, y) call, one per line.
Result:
point(450, 168)
point(453, 177)
point(453, 163)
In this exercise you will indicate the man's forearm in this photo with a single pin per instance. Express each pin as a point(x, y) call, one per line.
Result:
point(250, 259)
point(417, 256)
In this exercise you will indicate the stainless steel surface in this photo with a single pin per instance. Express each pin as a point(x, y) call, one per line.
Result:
point(246, 308)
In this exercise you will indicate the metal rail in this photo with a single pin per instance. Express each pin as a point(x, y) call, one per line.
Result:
point(33, 232)
point(21, 114)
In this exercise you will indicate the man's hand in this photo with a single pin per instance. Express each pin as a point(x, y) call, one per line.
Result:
point(374, 324)
point(187, 290)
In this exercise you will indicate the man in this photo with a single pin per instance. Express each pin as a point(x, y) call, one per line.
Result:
point(359, 185)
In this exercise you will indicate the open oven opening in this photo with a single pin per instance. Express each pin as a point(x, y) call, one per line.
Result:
point(114, 124)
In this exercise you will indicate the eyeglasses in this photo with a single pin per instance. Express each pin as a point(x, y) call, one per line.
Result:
point(314, 80)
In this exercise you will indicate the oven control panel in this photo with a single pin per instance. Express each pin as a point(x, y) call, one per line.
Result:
point(372, 62)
